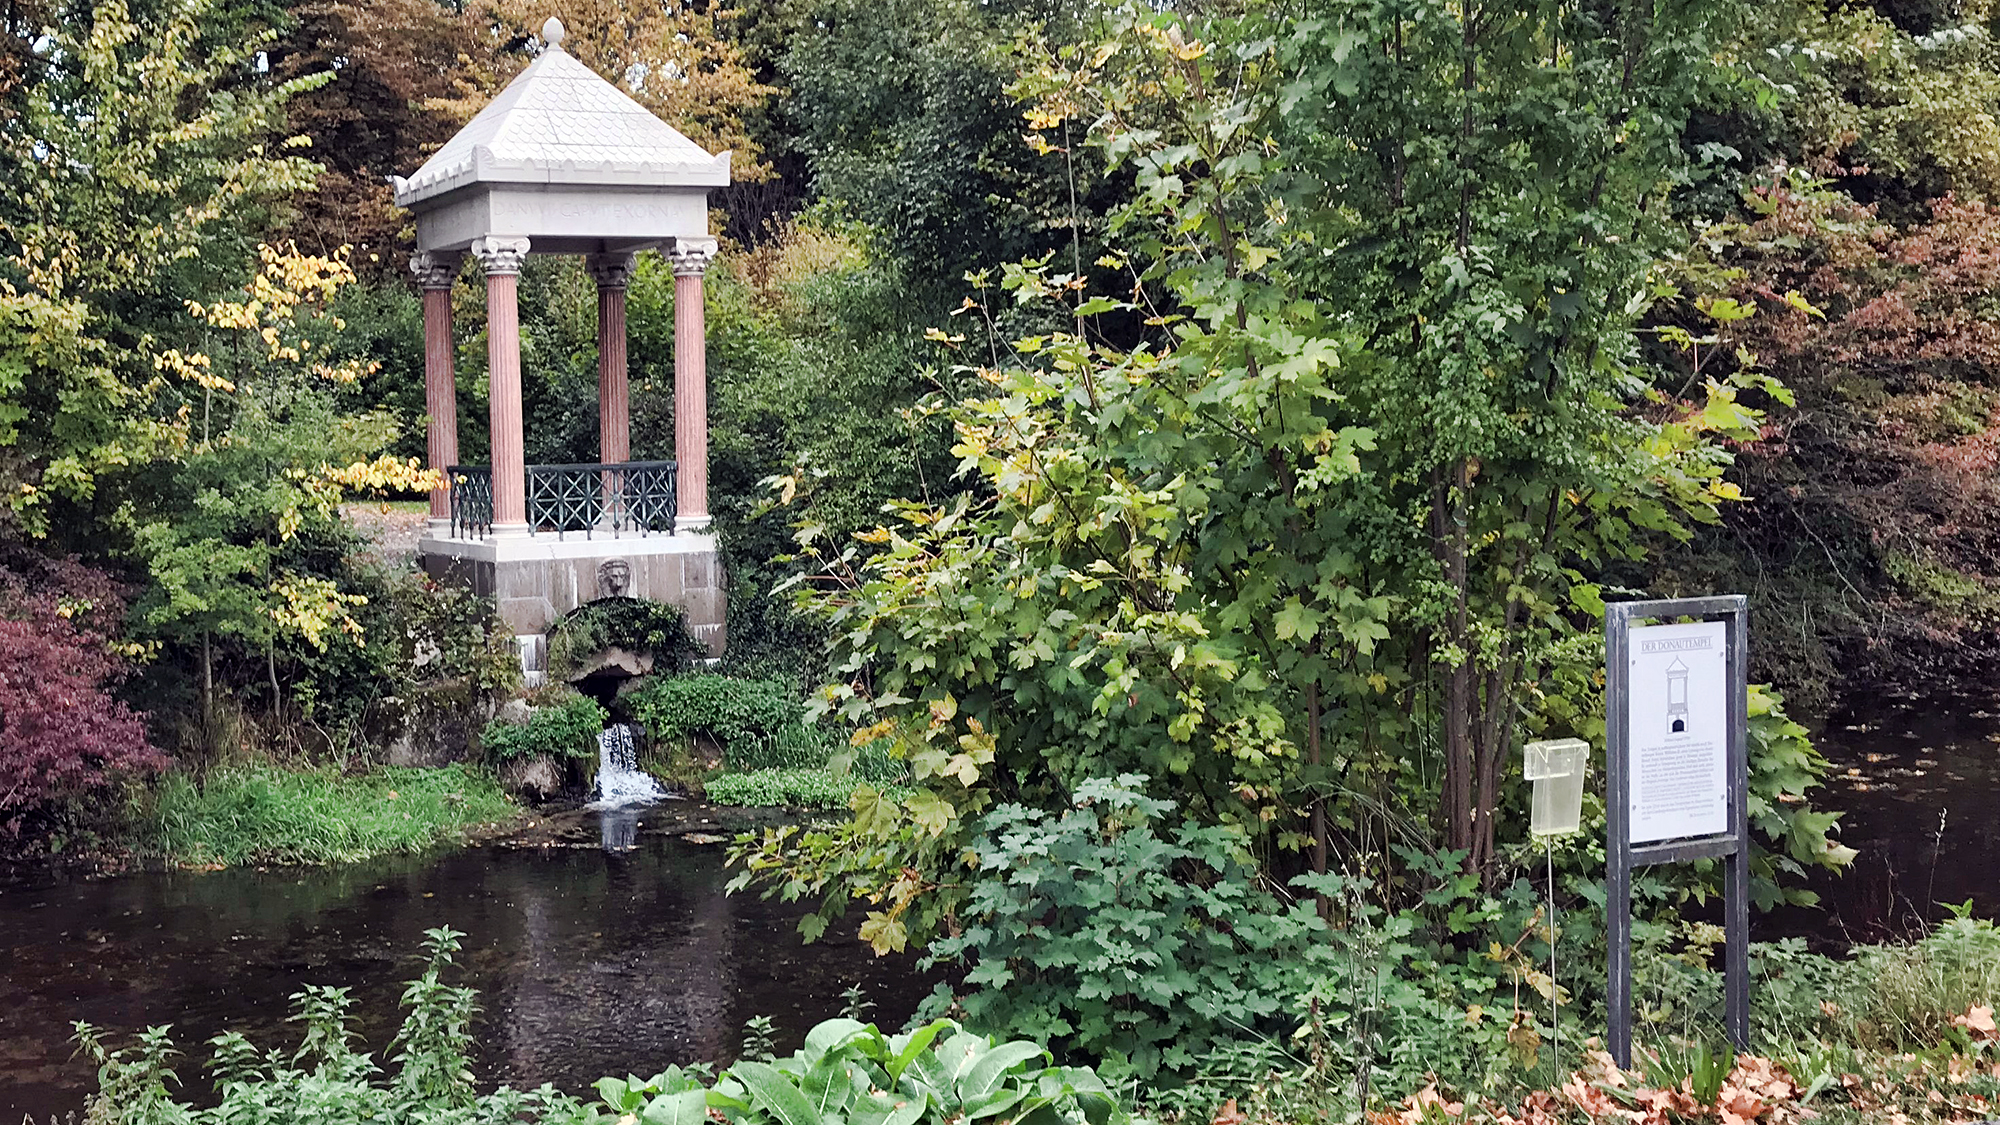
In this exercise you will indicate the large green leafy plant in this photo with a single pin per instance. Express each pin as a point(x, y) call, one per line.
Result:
point(1115, 930)
point(849, 1073)
point(1111, 930)
point(1784, 768)
point(737, 713)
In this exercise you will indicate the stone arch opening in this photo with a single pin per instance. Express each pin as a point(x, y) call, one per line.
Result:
point(603, 648)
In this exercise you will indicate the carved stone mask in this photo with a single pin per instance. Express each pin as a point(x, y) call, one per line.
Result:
point(614, 578)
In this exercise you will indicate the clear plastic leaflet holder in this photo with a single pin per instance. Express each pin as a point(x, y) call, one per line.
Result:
point(1556, 768)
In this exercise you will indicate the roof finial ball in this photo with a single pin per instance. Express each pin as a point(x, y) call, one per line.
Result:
point(552, 33)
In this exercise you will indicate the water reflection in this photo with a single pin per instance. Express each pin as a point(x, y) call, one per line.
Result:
point(1919, 780)
point(618, 829)
point(589, 960)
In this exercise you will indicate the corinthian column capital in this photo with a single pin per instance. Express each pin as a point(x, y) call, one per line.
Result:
point(436, 269)
point(501, 254)
point(610, 271)
point(690, 256)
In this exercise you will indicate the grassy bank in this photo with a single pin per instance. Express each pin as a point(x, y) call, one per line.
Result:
point(262, 814)
point(812, 787)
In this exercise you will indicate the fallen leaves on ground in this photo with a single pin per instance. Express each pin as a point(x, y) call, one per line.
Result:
point(1758, 1091)
point(1978, 1023)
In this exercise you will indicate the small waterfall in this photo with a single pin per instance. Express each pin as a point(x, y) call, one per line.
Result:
point(619, 779)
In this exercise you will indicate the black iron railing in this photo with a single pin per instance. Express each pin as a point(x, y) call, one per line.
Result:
point(471, 501)
point(629, 498)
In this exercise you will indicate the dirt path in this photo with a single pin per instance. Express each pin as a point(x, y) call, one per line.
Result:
point(392, 529)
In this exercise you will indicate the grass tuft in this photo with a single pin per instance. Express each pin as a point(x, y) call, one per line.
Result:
point(262, 814)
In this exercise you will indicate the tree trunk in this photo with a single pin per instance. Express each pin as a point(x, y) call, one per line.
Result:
point(1448, 541)
point(1319, 799)
point(1496, 729)
point(277, 700)
point(208, 732)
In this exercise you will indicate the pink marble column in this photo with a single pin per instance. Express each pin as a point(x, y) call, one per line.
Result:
point(613, 273)
point(501, 258)
point(435, 272)
point(690, 258)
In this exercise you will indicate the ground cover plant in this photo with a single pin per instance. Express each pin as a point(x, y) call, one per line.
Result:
point(1898, 1032)
point(849, 1071)
point(257, 813)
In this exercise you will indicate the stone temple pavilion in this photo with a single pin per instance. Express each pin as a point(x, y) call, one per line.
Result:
point(563, 162)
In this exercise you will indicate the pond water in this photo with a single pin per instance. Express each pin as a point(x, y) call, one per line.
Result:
point(589, 959)
point(1919, 779)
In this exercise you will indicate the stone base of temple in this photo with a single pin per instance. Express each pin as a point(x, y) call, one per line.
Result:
point(538, 578)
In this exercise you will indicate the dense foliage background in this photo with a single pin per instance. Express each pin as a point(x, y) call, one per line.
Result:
point(1196, 440)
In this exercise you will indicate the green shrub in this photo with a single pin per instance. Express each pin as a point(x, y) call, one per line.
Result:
point(262, 814)
point(1091, 940)
point(849, 1073)
point(1116, 932)
point(567, 728)
point(326, 1080)
point(447, 632)
point(724, 708)
point(761, 727)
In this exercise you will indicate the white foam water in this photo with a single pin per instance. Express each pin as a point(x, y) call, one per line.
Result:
point(620, 781)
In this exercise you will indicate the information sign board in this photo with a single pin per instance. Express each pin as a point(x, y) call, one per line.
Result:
point(1677, 715)
point(1675, 771)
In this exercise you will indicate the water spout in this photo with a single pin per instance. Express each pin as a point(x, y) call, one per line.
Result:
point(620, 782)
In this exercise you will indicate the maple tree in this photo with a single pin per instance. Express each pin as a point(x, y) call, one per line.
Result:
point(257, 460)
point(63, 734)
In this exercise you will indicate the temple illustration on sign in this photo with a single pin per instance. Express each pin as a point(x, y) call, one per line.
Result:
point(1677, 697)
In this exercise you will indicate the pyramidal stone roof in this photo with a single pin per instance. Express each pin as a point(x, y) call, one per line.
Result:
point(559, 122)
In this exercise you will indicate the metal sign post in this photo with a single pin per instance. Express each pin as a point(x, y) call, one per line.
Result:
point(1677, 775)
